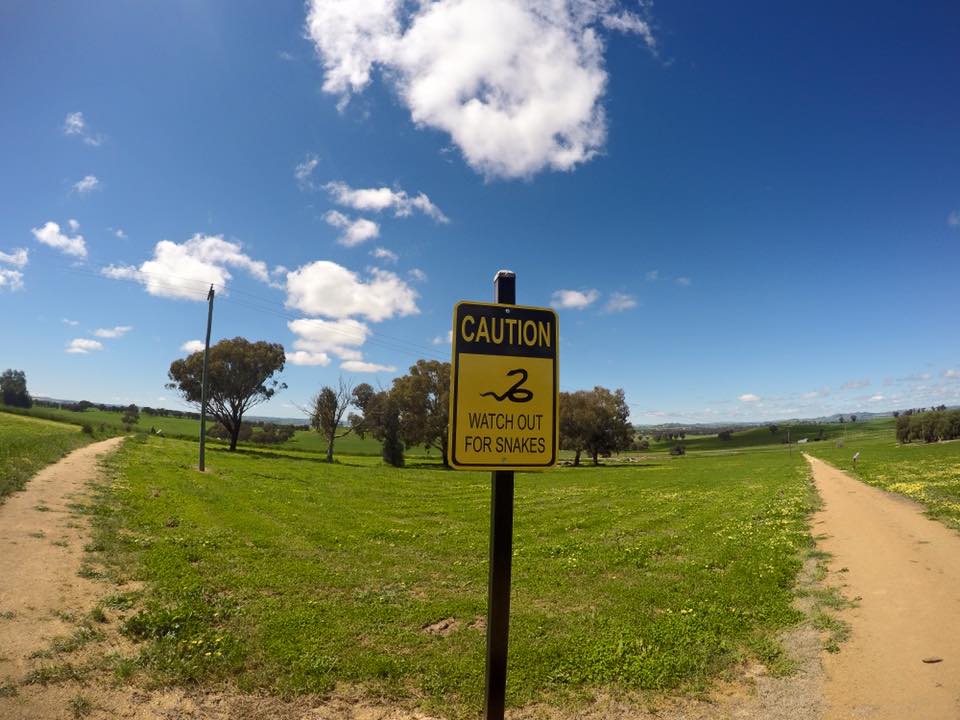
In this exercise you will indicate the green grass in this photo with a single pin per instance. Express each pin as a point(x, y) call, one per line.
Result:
point(290, 575)
point(28, 444)
point(927, 473)
point(753, 438)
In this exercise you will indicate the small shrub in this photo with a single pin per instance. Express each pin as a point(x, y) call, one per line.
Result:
point(678, 450)
point(87, 429)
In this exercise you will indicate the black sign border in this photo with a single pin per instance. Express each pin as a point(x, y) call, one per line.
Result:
point(455, 384)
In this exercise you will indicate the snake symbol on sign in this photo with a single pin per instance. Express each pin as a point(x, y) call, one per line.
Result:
point(515, 393)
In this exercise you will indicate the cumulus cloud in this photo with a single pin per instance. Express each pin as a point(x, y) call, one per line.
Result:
point(327, 289)
point(81, 346)
point(574, 299)
point(516, 84)
point(619, 302)
point(71, 323)
point(365, 367)
point(11, 279)
point(76, 124)
point(652, 275)
point(748, 398)
point(73, 224)
point(953, 219)
point(51, 235)
point(381, 253)
point(951, 373)
point(417, 275)
point(114, 332)
point(88, 183)
point(186, 270)
point(192, 346)
point(354, 232)
point(683, 281)
point(384, 198)
point(877, 398)
point(303, 172)
point(120, 233)
point(18, 258)
point(443, 339)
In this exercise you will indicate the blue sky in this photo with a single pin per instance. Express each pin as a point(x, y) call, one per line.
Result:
point(741, 210)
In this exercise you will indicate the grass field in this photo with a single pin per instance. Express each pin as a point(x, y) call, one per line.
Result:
point(28, 444)
point(753, 437)
point(303, 440)
point(929, 474)
point(291, 575)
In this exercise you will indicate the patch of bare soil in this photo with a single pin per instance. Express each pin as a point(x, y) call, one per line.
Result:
point(904, 570)
point(45, 606)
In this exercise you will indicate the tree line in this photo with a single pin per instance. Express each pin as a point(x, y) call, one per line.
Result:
point(922, 425)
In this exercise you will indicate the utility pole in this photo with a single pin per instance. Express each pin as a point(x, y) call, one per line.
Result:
point(203, 381)
point(501, 554)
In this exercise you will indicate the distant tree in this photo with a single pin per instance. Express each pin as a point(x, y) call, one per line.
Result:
point(842, 421)
point(131, 415)
point(381, 419)
point(853, 418)
point(423, 400)
point(13, 386)
point(896, 413)
point(575, 420)
point(678, 449)
point(240, 376)
point(773, 428)
point(612, 430)
point(327, 409)
point(724, 435)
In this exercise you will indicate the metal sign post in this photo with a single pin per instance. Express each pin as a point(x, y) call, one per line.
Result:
point(504, 392)
point(501, 554)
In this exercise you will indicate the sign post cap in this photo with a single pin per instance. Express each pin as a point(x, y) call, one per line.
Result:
point(504, 274)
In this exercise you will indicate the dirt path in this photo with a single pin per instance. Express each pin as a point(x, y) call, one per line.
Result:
point(905, 570)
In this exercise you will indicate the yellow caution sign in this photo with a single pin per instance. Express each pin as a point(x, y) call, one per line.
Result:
point(504, 387)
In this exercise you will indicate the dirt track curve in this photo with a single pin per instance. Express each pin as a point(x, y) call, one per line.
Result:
point(905, 570)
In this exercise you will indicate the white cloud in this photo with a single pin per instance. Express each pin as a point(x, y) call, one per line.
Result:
point(192, 346)
point(120, 233)
point(75, 124)
point(318, 339)
point(186, 270)
point(89, 183)
point(951, 373)
point(303, 172)
point(953, 219)
point(50, 235)
point(748, 398)
point(365, 367)
point(683, 281)
point(417, 275)
point(574, 299)
point(354, 232)
point(877, 398)
point(517, 84)
point(285, 56)
point(383, 254)
point(330, 290)
point(11, 279)
point(71, 323)
point(18, 258)
point(81, 346)
point(855, 384)
point(383, 198)
point(114, 332)
point(652, 275)
point(619, 302)
point(443, 339)
point(74, 225)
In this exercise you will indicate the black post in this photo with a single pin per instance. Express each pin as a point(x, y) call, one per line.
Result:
point(203, 383)
point(501, 554)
